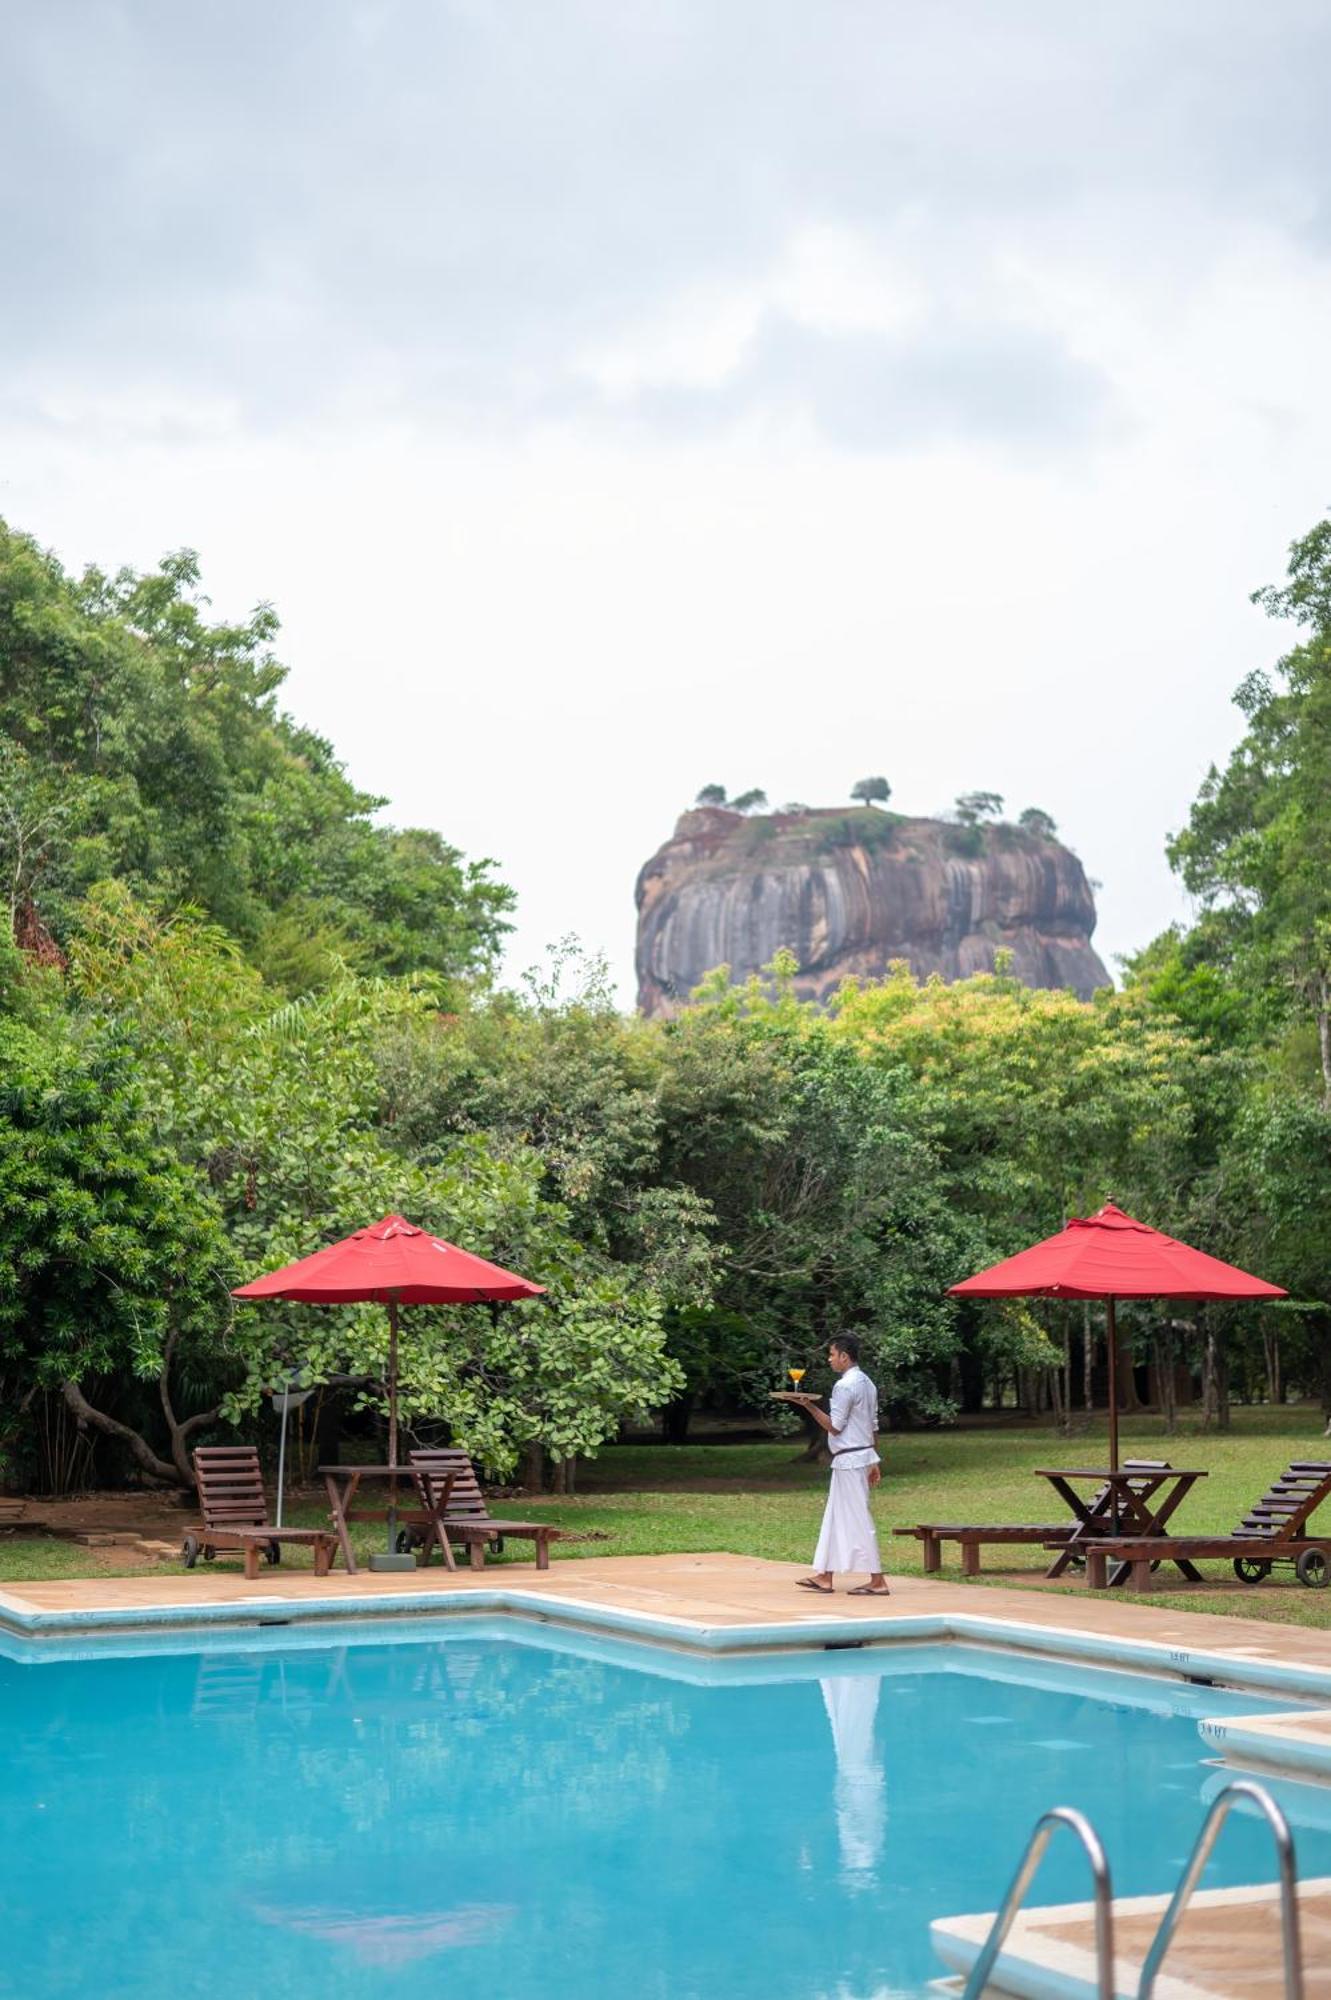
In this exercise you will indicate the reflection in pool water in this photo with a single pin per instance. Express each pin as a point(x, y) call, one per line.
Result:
point(503, 1813)
point(851, 1701)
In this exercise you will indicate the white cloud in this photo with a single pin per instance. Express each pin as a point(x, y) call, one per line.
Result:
point(618, 399)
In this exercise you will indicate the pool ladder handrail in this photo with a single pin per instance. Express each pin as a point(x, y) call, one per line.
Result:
point(1221, 1806)
point(1041, 1835)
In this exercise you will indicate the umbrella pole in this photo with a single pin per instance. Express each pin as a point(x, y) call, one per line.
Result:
point(392, 1381)
point(1111, 1336)
point(391, 1558)
point(392, 1424)
point(282, 1453)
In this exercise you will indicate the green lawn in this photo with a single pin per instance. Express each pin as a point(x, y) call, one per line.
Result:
point(762, 1499)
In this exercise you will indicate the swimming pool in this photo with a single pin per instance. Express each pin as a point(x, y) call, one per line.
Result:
point(499, 1811)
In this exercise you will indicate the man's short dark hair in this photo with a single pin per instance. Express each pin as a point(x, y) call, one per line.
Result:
point(847, 1343)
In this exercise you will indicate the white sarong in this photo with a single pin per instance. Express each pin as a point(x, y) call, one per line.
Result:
point(848, 1539)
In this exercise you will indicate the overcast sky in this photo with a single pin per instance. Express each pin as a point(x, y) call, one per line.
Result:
point(615, 398)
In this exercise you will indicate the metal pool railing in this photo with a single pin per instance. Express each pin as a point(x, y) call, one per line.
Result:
point(1221, 1806)
point(1041, 1835)
point(1220, 1809)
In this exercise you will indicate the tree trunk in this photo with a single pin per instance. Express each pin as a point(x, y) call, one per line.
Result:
point(1275, 1389)
point(1320, 1326)
point(676, 1417)
point(815, 1442)
point(1056, 1387)
point(1210, 1393)
point(64, 1448)
point(972, 1369)
point(1128, 1399)
point(1215, 1380)
point(181, 1433)
point(1324, 1033)
point(535, 1475)
point(1167, 1379)
point(156, 1468)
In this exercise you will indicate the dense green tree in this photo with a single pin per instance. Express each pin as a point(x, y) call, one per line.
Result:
point(871, 791)
point(823, 1181)
point(711, 795)
point(1040, 1106)
point(1257, 847)
point(1037, 823)
point(113, 1261)
point(748, 802)
point(139, 741)
point(282, 1110)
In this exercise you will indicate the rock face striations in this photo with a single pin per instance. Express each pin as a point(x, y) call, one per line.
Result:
point(849, 891)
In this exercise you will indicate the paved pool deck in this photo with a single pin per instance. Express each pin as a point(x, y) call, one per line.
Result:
point(1227, 1950)
point(699, 1593)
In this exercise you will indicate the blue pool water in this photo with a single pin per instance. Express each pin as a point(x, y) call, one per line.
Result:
point(494, 1812)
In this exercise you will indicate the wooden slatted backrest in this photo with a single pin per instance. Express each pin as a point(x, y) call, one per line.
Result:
point(466, 1499)
point(1281, 1514)
point(1145, 1466)
point(230, 1486)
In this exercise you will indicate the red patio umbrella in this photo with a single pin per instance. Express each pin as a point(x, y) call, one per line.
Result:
point(1112, 1256)
point(395, 1264)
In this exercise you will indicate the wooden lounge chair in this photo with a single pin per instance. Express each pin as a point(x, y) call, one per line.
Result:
point(235, 1513)
point(932, 1534)
point(1275, 1531)
point(466, 1518)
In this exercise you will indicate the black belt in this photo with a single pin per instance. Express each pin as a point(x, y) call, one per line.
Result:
point(832, 1451)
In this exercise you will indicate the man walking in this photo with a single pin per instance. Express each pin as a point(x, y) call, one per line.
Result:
point(848, 1540)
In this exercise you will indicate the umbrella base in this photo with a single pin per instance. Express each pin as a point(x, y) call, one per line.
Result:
point(386, 1561)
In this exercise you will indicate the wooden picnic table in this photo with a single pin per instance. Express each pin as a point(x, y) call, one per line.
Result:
point(341, 1482)
point(1125, 1502)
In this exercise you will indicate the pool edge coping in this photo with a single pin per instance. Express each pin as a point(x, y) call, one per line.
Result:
point(1063, 1642)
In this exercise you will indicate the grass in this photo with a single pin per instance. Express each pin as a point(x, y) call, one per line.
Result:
point(764, 1500)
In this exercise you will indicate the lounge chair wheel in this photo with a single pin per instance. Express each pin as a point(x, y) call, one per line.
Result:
point(1251, 1569)
point(189, 1551)
point(404, 1540)
point(273, 1554)
point(209, 1553)
point(1312, 1568)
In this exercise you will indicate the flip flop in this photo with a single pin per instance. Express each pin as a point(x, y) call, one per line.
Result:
point(867, 1590)
point(807, 1583)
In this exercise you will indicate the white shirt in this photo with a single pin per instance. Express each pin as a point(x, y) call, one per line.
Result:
point(854, 1413)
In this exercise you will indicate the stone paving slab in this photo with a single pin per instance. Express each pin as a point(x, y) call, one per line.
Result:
point(1226, 1948)
point(715, 1590)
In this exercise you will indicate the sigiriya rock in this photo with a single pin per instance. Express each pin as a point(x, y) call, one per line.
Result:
point(850, 890)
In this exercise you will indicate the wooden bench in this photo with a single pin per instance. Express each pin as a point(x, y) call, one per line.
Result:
point(1273, 1531)
point(931, 1536)
point(235, 1513)
point(465, 1518)
point(972, 1537)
